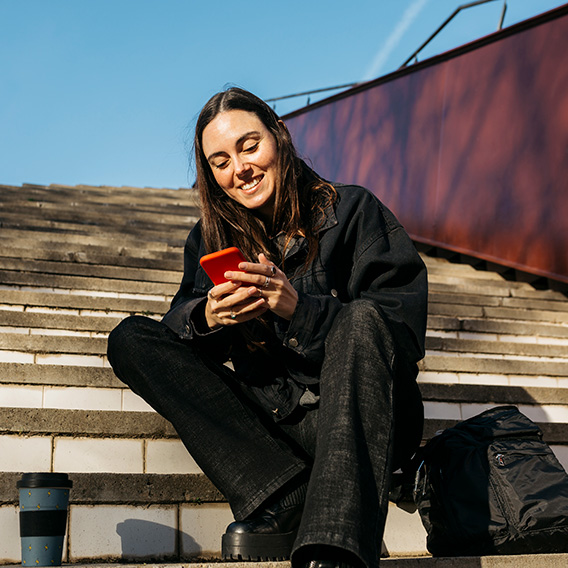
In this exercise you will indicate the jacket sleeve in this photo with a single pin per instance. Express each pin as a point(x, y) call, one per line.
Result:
point(372, 258)
point(186, 314)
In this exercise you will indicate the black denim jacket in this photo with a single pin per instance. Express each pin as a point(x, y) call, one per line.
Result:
point(363, 253)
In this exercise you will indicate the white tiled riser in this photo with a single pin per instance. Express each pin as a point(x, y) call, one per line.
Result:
point(109, 532)
point(94, 455)
point(112, 455)
point(71, 398)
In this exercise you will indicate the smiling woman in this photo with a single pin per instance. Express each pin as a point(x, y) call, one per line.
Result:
point(323, 323)
point(242, 154)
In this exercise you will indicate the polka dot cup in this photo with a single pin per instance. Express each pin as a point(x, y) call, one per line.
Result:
point(44, 498)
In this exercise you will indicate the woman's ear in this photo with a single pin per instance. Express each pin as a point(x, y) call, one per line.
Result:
point(282, 125)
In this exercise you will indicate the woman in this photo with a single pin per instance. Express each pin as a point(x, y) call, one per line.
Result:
point(323, 327)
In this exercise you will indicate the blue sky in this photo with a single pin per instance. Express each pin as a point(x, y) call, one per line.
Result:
point(106, 92)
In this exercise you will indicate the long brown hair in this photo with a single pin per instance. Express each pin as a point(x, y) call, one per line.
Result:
point(300, 194)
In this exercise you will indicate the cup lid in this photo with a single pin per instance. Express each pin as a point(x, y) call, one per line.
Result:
point(44, 480)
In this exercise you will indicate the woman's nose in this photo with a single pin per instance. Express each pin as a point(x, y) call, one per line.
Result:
point(241, 166)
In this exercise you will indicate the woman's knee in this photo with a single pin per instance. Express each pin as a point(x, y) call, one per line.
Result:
point(129, 336)
point(361, 319)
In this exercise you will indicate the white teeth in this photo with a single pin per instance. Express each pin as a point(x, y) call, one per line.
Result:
point(252, 184)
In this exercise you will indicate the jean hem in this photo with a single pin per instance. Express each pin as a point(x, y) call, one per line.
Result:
point(243, 512)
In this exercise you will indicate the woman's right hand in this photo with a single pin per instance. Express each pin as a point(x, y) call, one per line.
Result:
point(230, 303)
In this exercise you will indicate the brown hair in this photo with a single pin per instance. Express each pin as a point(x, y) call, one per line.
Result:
point(300, 194)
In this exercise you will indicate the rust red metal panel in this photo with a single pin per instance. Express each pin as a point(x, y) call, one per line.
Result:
point(469, 149)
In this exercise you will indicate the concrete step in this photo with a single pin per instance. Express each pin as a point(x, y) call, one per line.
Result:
point(176, 518)
point(499, 288)
point(110, 210)
point(74, 224)
point(14, 278)
point(78, 269)
point(535, 329)
point(51, 254)
point(510, 349)
point(457, 363)
point(70, 227)
point(131, 196)
point(125, 439)
point(32, 374)
point(521, 561)
point(534, 303)
point(15, 300)
point(524, 313)
point(27, 237)
point(40, 343)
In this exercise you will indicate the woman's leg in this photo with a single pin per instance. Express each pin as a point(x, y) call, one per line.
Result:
point(347, 499)
point(242, 454)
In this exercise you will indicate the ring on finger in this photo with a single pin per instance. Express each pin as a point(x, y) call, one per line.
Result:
point(233, 315)
point(209, 295)
point(272, 270)
point(267, 282)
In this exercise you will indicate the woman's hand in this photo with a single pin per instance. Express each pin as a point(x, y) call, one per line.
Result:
point(264, 281)
point(231, 303)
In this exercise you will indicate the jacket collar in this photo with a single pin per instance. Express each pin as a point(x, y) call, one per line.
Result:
point(300, 243)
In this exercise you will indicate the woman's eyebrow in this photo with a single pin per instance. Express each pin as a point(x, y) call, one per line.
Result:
point(240, 140)
point(252, 133)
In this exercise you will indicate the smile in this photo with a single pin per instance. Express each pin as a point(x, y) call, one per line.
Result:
point(252, 184)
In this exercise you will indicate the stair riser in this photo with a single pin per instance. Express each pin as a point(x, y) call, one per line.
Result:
point(95, 455)
point(115, 455)
point(172, 532)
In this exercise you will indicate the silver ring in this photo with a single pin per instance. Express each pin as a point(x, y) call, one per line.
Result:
point(267, 282)
point(272, 270)
point(233, 315)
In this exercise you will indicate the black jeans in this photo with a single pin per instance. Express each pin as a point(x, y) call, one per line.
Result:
point(369, 419)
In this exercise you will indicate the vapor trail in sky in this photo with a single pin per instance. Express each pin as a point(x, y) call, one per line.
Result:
point(393, 39)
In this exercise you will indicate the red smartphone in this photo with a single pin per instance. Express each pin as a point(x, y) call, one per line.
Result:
point(217, 263)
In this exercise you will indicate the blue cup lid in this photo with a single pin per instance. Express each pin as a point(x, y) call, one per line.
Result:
point(44, 480)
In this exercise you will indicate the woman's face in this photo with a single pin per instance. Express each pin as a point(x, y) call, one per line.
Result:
point(242, 154)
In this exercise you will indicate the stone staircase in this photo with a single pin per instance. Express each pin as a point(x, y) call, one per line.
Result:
point(74, 261)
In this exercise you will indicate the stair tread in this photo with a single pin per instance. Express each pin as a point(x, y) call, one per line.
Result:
point(460, 364)
point(76, 301)
point(85, 423)
point(114, 424)
point(87, 283)
point(517, 561)
point(131, 488)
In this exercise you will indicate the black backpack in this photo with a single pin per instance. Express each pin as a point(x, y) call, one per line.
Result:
point(491, 485)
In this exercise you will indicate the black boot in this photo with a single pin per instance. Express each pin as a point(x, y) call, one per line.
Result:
point(269, 534)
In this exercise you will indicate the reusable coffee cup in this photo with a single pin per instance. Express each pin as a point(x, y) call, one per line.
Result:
point(44, 498)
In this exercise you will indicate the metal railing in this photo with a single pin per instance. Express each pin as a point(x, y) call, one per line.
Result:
point(413, 56)
point(449, 19)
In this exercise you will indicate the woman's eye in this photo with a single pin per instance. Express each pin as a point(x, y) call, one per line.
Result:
point(221, 165)
point(251, 147)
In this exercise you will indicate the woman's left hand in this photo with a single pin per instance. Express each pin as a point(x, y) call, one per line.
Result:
point(270, 282)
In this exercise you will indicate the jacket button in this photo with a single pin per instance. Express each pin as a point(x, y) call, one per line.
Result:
point(293, 342)
point(334, 292)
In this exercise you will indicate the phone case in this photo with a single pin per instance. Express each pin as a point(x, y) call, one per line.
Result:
point(217, 263)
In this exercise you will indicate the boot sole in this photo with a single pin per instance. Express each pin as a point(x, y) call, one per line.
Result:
point(257, 547)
